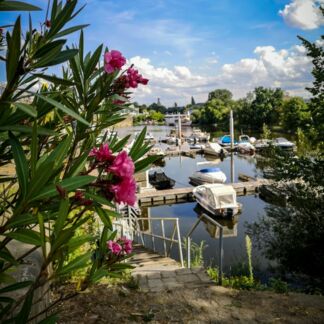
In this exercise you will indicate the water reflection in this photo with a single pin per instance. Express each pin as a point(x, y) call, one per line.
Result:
point(229, 224)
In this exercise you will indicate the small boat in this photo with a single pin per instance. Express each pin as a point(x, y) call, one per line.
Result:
point(214, 149)
point(208, 175)
point(246, 139)
point(283, 143)
point(217, 199)
point(156, 151)
point(197, 146)
point(262, 144)
point(199, 136)
point(159, 180)
point(245, 148)
point(226, 140)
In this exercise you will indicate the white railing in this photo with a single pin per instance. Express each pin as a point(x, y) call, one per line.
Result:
point(142, 228)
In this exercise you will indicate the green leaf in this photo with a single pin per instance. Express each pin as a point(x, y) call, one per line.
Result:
point(26, 108)
point(13, 52)
point(138, 143)
point(61, 18)
point(67, 184)
point(77, 263)
point(20, 162)
point(76, 242)
point(63, 57)
point(98, 274)
point(48, 47)
point(120, 145)
point(104, 217)
point(26, 236)
point(55, 80)
point(70, 30)
point(78, 164)
point(34, 150)
point(59, 154)
point(15, 286)
point(28, 129)
point(5, 254)
point(98, 199)
point(42, 233)
point(42, 175)
point(144, 163)
point(63, 108)
point(21, 220)
point(23, 315)
point(92, 63)
point(62, 215)
point(9, 5)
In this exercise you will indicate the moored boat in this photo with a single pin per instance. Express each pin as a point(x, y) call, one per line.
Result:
point(208, 175)
point(217, 199)
point(159, 180)
point(283, 143)
point(226, 140)
point(214, 149)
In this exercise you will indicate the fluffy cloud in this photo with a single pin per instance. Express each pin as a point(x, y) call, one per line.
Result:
point(304, 14)
point(286, 68)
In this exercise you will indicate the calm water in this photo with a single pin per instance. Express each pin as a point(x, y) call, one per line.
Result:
point(180, 168)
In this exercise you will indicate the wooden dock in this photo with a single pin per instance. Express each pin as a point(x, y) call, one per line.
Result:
point(155, 197)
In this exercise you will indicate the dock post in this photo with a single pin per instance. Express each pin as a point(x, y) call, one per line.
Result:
point(232, 145)
point(221, 254)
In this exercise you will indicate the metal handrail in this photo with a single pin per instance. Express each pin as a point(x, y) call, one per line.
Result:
point(176, 231)
point(221, 250)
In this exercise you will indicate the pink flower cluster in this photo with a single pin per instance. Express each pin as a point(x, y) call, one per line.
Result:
point(122, 246)
point(122, 185)
point(133, 78)
point(114, 61)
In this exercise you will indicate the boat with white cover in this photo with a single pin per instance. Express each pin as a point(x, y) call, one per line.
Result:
point(218, 199)
point(214, 149)
point(207, 175)
point(283, 143)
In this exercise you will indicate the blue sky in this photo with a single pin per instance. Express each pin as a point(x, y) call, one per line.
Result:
point(192, 47)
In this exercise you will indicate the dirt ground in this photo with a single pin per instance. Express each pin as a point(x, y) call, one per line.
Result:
point(103, 304)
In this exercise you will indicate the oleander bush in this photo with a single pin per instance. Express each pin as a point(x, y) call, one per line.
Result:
point(64, 177)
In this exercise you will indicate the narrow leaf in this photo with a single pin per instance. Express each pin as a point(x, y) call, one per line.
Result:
point(20, 162)
point(64, 109)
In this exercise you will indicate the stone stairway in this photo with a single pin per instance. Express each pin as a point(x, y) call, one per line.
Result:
point(155, 272)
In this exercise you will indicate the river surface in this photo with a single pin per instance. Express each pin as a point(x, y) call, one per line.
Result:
point(179, 169)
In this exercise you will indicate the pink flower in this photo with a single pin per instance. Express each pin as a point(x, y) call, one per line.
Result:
point(102, 154)
point(114, 247)
point(113, 61)
point(126, 244)
point(124, 191)
point(133, 78)
point(122, 166)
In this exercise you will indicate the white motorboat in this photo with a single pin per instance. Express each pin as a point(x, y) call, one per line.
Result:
point(214, 149)
point(156, 151)
point(246, 139)
point(199, 136)
point(262, 144)
point(283, 143)
point(197, 146)
point(245, 148)
point(218, 199)
point(208, 175)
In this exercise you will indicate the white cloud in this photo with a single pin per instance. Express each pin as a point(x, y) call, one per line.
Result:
point(304, 14)
point(285, 68)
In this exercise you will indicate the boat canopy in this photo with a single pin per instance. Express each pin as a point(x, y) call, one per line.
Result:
point(219, 196)
point(207, 170)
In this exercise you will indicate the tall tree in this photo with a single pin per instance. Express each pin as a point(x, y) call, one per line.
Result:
point(222, 94)
point(294, 114)
point(316, 52)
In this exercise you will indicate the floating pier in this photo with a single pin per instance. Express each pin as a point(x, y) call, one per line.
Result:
point(155, 197)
